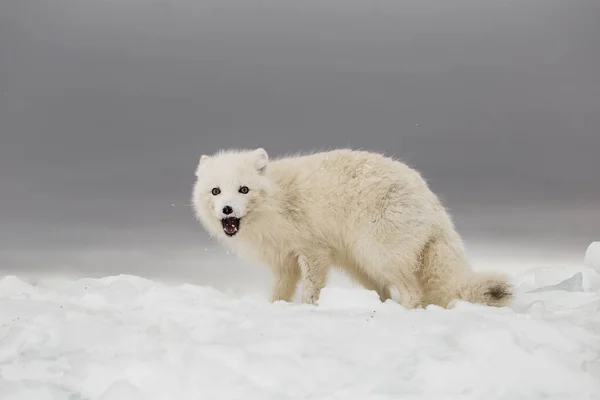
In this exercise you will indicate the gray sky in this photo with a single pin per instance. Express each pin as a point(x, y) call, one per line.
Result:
point(105, 107)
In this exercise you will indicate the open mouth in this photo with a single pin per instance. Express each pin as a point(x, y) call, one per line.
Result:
point(231, 225)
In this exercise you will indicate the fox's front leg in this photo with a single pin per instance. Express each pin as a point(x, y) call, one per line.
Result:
point(286, 277)
point(314, 268)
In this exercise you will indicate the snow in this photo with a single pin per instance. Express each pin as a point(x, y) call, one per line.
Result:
point(126, 338)
point(592, 256)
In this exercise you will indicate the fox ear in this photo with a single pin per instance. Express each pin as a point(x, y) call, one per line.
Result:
point(261, 159)
point(203, 158)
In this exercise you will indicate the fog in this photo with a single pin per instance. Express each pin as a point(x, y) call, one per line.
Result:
point(106, 106)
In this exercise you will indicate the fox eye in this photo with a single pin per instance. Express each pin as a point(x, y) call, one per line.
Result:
point(216, 191)
point(244, 190)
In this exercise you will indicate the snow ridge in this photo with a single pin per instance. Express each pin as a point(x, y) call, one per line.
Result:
point(125, 337)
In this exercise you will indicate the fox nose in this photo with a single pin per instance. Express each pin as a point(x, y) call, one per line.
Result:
point(227, 210)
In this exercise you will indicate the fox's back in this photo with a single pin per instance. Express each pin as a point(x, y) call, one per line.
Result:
point(342, 188)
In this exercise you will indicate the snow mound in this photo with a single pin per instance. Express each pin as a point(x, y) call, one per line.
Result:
point(571, 278)
point(125, 337)
point(573, 284)
point(592, 256)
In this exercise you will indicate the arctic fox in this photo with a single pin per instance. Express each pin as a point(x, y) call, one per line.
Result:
point(370, 215)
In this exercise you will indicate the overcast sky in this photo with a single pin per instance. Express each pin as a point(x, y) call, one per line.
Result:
point(106, 106)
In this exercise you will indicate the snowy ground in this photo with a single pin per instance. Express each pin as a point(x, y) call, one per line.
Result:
point(127, 338)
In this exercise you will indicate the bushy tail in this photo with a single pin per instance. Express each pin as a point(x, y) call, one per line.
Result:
point(445, 275)
point(490, 289)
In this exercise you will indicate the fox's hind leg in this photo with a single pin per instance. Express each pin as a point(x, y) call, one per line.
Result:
point(359, 275)
point(394, 264)
point(411, 290)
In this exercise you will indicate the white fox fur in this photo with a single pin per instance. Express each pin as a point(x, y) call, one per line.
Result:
point(370, 215)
